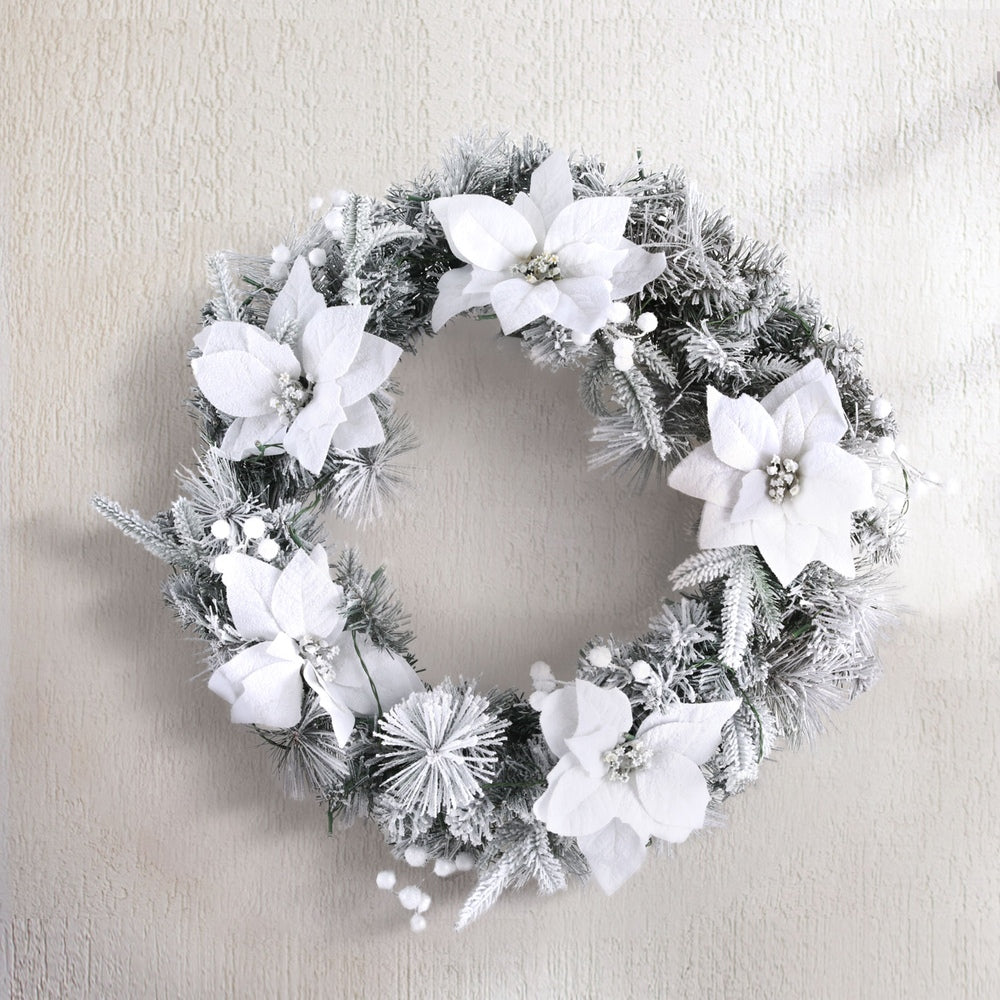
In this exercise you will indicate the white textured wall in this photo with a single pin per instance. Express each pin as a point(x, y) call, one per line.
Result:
point(149, 851)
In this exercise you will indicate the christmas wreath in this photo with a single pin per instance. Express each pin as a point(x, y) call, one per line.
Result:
point(696, 359)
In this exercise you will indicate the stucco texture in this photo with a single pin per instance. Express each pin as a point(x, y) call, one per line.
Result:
point(149, 851)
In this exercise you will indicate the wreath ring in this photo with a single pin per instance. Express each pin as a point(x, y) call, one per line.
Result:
point(696, 358)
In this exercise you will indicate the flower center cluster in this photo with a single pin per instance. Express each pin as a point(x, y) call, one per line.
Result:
point(783, 478)
point(321, 656)
point(628, 756)
point(293, 395)
point(542, 267)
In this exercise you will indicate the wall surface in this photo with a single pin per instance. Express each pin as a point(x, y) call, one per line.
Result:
point(149, 852)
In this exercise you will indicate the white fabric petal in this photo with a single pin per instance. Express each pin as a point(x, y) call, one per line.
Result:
point(599, 716)
point(249, 586)
point(237, 383)
point(517, 302)
point(558, 718)
point(810, 373)
point(227, 679)
point(309, 436)
point(551, 187)
point(743, 433)
point(786, 546)
point(583, 304)
point(361, 427)
point(834, 548)
point(809, 417)
point(717, 530)
point(297, 302)
point(674, 794)
point(452, 298)
point(483, 231)
point(754, 503)
point(527, 207)
point(481, 282)
point(637, 270)
point(330, 342)
point(588, 260)
point(370, 368)
point(615, 853)
point(228, 335)
point(833, 483)
point(577, 803)
point(271, 696)
point(305, 601)
point(341, 717)
point(692, 730)
point(242, 435)
point(590, 220)
point(702, 475)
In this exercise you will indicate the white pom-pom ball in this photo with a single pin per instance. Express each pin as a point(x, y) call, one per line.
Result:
point(278, 272)
point(334, 222)
point(418, 923)
point(268, 549)
point(415, 856)
point(425, 903)
point(410, 896)
point(641, 671)
point(880, 408)
point(315, 203)
point(281, 254)
point(647, 322)
point(537, 699)
point(600, 657)
point(254, 527)
point(464, 862)
point(339, 198)
point(386, 880)
point(317, 256)
point(619, 312)
point(444, 867)
point(542, 677)
point(623, 362)
point(885, 446)
point(220, 529)
point(623, 347)
point(581, 339)
point(902, 452)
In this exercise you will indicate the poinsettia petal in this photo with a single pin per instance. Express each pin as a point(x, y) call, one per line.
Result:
point(558, 718)
point(743, 433)
point(309, 436)
point(636, 270)
point(249, 586)
point(786, 546)
point(527, 207)
point(372, 364)
point(589, 220)
point(361, 427)
point(575, 802)
point(452, 297)
point(809, 417)
point(341, 717)
point(754, 503)
point(810, 373)
point(481, 283)
point(588, 260)
point(297, 302)
point(583, 303)
point(271, 697)
point(674, 794)
point(393, 677)
point(700, 474)
point(834, 548)
point(692, 730)
point(228, 335)
point(239, 384)
point(833, 483)
point(305, 601)
point(615, 853)
point(517, 302)
point(717, 530)
point(551, 187)
point(244, 433)
point(331, 340)
point(603, 716)
point(483, 231)
point(227, 679)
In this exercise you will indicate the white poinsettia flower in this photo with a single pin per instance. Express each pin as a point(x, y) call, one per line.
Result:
point(612, 791)
point(302, 383)
point(545, 255)
point(294, 615)
point(774, 476)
